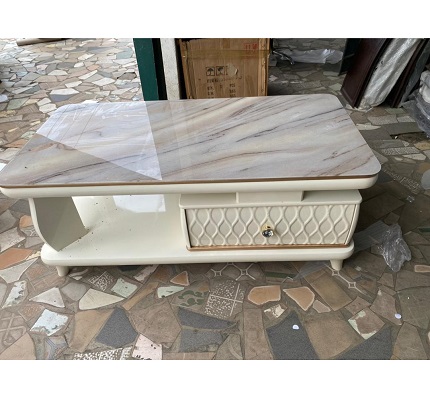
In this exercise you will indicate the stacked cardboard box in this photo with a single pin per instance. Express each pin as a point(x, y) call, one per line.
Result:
point(225, 67)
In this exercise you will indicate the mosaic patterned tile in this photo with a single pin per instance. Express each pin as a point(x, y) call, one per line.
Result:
point(189, 356)
point(414, 215)
point(74, 290)
point(103, 281)
point(196, 340)
point(118, 354)
point(124, 288)
point(377, 347)
point(225, 299)
point(87, 325)
point(94, 299)
point(17, 294)
point(117, 331)
point(13, 256)
point(181, 279)
point(279, 272)
point(50, 297)
point(12, 328)
point(357, 305)
point(163, 273)
point(420, 268)
point(3, 289)
point(193, 297)
point(165, 291)
point(320, 307)
point(7, 221)
point(256, 346)
point(262, 294)
point(387, 290)
point(415, 304)
point(237, 271)
point(54, 346)
point(40, 284)
point(140, 295)
point(369, 263)
point(14, 273)
point(303, 296)
point(408, 345)
point(425, 251)
point(329, 291)
point(408, 183)
point(196, 320)
point(145, 349)
point(366, 323)
point(381, 205)
point(50, 323)
point(289, 340)
point(387, 280)
point(230, 349)
point(330, 335)
point(407, 279)
point(10, 238)
point(274, 312)
point(193, 269)
point(399, 151)
point(29, 311)
point(22, 349)
point(385, 306)
point(157, 322)
point(78, 275)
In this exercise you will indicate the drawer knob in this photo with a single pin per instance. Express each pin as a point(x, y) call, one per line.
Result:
point(267, 231)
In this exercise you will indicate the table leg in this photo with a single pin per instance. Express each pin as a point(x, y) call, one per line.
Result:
point(62, 270)
point(57, 221)
point(336, 264)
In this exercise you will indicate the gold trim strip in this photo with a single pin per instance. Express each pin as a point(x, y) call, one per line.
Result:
point(264, 247)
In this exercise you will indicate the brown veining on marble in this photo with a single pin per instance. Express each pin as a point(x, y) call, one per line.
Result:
point(213, 140)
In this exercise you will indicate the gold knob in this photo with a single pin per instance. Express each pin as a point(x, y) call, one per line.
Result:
point(267, 231)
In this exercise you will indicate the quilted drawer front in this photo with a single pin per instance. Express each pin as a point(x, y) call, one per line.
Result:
point(322, 224)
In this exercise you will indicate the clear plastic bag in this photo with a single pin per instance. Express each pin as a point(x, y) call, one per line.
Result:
point(394, 248)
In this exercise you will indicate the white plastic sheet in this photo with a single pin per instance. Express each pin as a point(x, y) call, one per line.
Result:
point(387, 71)
point(419, 104)
point(425, 86)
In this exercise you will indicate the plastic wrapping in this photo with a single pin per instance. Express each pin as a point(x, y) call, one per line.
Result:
point(419, 104)
point(387, 71)
point(394, 248)
point(316, 56)
point(370, 236)
point(425, 86)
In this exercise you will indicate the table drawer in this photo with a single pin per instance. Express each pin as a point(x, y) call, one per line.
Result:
point(309, 222)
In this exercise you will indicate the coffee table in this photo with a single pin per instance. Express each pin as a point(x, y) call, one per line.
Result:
point(194, 181)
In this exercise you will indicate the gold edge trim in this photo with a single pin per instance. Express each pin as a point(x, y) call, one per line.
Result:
point(265, 247)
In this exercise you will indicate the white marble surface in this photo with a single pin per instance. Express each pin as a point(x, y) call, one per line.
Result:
point(186, 141)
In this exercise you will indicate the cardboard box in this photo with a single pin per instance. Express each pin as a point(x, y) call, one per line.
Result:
point(225, 67)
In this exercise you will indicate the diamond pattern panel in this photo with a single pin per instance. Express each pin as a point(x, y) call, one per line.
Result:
point(293, 225)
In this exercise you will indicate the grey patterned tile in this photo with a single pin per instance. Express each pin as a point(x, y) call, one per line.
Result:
point(118, 354)
point(196, 340)
point(196, 320)
point(118, 331)
point(289, 340)
point(225, 299)
point(103, 281)
point(377, 347)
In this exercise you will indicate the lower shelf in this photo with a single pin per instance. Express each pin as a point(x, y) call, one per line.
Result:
point(138, 230)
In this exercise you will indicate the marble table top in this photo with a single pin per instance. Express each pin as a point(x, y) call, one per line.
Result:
point(189, 141)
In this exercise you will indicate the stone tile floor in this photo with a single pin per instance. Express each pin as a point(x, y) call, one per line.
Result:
point(232, 311)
